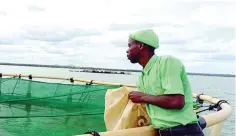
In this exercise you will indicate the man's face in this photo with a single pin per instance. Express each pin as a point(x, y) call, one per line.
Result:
point(133, 52)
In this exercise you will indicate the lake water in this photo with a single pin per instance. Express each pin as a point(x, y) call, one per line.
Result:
point(220, 87)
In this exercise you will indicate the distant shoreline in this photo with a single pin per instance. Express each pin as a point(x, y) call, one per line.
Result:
point(107, 69)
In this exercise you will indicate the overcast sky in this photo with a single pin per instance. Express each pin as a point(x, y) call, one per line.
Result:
point(94, 32)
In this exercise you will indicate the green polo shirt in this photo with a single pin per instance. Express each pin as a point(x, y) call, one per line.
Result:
point(167, 75)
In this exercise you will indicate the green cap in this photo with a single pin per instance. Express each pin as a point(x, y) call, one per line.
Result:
point(147, 36)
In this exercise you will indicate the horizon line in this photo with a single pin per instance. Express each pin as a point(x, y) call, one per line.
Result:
point(112, 69)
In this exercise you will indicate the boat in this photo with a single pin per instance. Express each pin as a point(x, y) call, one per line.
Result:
point(72, 106)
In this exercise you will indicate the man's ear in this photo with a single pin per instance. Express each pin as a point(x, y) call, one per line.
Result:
point(141, 46)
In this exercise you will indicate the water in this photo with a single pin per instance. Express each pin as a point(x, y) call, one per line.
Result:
point(220, 87)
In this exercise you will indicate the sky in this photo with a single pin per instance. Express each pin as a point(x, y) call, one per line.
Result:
point(94, 33)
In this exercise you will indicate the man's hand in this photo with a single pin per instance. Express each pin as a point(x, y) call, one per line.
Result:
point(136, 97)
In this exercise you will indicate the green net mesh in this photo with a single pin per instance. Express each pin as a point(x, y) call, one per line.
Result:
point(51, 109)
point(39, 108)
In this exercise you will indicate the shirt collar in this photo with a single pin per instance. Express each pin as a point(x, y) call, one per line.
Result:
point(149, 65)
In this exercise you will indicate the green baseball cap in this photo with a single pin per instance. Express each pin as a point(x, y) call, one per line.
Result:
point(147, 36)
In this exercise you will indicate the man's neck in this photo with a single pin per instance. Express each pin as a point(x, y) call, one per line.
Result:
point(144, 60)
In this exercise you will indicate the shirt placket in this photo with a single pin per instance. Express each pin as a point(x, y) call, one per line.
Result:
point(144, 85)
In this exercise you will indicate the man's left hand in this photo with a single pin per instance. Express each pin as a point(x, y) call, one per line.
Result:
point(136, 97)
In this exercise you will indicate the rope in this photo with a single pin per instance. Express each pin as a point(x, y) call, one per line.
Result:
point(57, 88)
point(198, 98)
point(90, 83)
point(214, 106)
point(15, 86)
point(72, 80)
point(83, 94)
point(94, 133)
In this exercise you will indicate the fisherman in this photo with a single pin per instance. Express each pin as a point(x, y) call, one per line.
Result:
point(163, 86)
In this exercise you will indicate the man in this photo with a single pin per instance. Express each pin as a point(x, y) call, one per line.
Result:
point(163, 86)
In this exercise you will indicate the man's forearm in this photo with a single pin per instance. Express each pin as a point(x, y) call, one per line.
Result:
point(165, 101)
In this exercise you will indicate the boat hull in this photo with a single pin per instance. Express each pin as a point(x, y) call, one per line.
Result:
point(214, 121)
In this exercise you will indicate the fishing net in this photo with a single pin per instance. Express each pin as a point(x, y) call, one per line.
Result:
point(29, 107)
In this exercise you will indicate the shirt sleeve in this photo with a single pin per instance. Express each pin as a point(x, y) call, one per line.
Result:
point(171, 76)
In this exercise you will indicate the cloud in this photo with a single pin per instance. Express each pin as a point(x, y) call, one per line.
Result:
point(223, 57)
point(47, 34)
point(55, 34)
point(120, 43)
point(75, 42)
point(35, 8)
point(211, 13)
point(134, 26)
point(2, 13)
point(5, 41)
point(95, 33)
